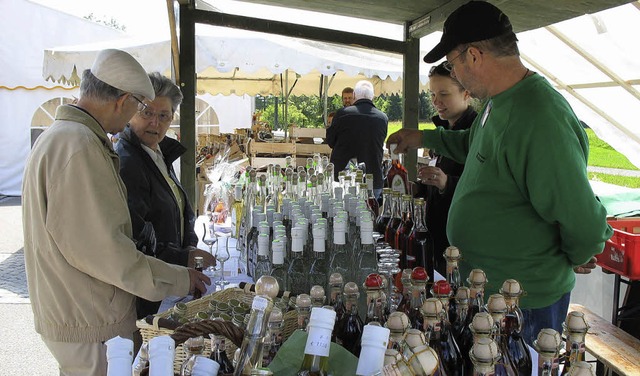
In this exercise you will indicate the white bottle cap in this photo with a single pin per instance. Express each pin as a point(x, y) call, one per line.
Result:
point(374, 344)
point(320, 327)
point(278, 251)
point(277, 217)
point(337, 193)
point(238, 192)
point(297, 239)
point(263, 228)
point(263, 245)
point(204, 366)
point(162, 350)
point(119, 356)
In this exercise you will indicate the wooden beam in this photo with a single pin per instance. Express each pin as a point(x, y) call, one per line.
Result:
point(598, 85)
point(175, 51)
point(410, 90)
point(593, 61)
point(433, 20)
point(581, 98)
point(299, 31)
point(188, 107)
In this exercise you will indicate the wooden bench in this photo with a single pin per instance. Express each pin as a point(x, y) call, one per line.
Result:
point(610, 345)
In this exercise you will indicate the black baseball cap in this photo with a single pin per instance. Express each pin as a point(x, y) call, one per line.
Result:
point(472, 22)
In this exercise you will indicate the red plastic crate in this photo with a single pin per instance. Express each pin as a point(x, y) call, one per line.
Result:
point(621, 253)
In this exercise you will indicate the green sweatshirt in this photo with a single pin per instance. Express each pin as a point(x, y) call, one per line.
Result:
point(523, 207)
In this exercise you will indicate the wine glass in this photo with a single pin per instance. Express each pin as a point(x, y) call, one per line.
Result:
point(209, 241)
point(222, 255)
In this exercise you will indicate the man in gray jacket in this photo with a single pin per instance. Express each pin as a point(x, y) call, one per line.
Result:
point(83, 269)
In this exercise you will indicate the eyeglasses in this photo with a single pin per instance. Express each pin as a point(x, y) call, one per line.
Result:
point(141, 105)
point(163, 117)
point(448, 65)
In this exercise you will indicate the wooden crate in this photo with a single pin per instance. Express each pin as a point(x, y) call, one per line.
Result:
point(308, 132)
point(311, 149)
point(271, 148)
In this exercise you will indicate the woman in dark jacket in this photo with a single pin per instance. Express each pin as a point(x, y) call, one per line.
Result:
point(438, 180)
point(162, 218)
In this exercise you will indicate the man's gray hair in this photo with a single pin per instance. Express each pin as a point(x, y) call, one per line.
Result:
point(164, 87)
point(92, 87)
point(363, 90)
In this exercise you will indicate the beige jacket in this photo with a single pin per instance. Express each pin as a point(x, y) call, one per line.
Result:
point(83, 270)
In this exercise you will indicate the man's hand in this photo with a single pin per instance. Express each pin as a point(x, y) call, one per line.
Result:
point(209, 260)
point(405, 139)
point(197, 281)
point(587, 267)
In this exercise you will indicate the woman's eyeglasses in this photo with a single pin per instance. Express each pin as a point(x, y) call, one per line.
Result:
point(163, 117)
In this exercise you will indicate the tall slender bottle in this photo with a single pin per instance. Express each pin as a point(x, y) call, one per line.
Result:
point(351, 326)
point(336, 284)
point(303, 308)
point(340, 260)
point(497, 308)
point(404, 232)
point(548, 344)
point(316, 351)
point(438, 333)
point(375, 297)
point(462, 321)
point(394, 221)
point(367, 262)
point(263, 266)
point(420, 242)
point(477, 279)
point(575, 329)
point(397, 177)
point(452, 257)
point(298, 270)
point(318, 270)
point(385, 214)
point(279, 270)
point(273, 339)
point(419, 280)
point(372, 201)
point(251, 350)
point(513, 325)
point(219, 354)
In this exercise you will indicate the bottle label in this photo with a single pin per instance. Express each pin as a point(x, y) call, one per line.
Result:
point(397, 184)
point(318, 341)
point(259, 303)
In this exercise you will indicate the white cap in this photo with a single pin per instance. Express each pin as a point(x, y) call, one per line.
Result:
point(374, 344)
point(119, 356)
point(204, 366)
point(119, 69)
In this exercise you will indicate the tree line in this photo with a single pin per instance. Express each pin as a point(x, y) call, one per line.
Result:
point(307, 111)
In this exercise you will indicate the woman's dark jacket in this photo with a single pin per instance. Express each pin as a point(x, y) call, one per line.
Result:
point(438, 203)
point(151, 201)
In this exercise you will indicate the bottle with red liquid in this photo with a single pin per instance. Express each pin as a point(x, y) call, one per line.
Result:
point(394, 221)
point(438, 333)
point(385, 214)
point(403, 233)
point(513, 325)
point(397, 176)
point(372, 201)
point(497, 308)
point(420, 241)
point(419, 280)
point(350, 327)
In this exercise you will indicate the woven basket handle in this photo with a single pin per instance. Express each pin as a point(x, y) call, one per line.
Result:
point(206, 327)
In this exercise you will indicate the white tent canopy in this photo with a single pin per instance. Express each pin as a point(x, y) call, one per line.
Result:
point(27, 28)
point(240, 62)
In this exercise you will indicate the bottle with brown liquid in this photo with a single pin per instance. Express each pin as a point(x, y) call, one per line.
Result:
point(497, 308)
point(403, 233)
point(397, 177)
point(420, 241)
point(513, 325)
point(394, 221)
point(418, 296)
point(351, 326)
point(438, 333)
point(199, 266)
point(385, 214)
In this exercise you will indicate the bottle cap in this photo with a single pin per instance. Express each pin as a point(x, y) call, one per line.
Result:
point(414, 338)
point(442, 288)
point(373, 281)
point(482, 323)
point(477, 277)
point(161, 346)
point(375, 336)
point(263, 244)
point(277, 217)
point(261, 217)
point(336, 279)
point(237, 192)
point(297, 239)
point(549, 341)
point(351, 288)
point(485, 350)
point(427, 357)
point(576, 322)
point(452, 252)
point(303, 301)
point(267, 285)
point(582, 368)
point(463, 293)
point(118, 347)
point(264, 228)
point(432, 307)
point(204, 366)
point(511, 288)
point(317, 292)
point(339, 225)
point(278, 251)
point(398, 322)
point(419, 274)
point(337, 193)
point(496, 304)
point(322, 318)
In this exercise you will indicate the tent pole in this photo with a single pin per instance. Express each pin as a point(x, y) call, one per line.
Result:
point(175, 51)
point(286, 106)
point(410, 88)
point(325, 80)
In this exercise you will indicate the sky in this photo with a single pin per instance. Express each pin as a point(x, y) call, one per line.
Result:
point(149, 17)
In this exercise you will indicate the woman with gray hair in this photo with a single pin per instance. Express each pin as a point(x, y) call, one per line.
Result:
point(162, 218)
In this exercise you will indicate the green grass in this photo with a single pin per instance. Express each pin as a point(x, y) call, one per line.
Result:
point(601, 154)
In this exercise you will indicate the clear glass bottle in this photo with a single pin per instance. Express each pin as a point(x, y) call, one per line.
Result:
point(351, 326)
point(251, 349)
point(236, 213)
point(513, 324)
point(367, 262)
point(340, 260)
point(420, 243)
point(279, 270)
point(319, 269)
point(303, 308)
point(385, 215)
point(219, 354)
point(397, 177)
point(336, 284)
point(403, 234)
point(405, 302)
point(273, 339)
point(298, 270)
point(394, 221)
point(263, 266)
point(318, 296)
point(316, 352)
point(575, 329)
point(372, 202)
point(192, 347)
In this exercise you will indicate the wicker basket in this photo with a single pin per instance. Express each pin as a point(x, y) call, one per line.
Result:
point(233, 334)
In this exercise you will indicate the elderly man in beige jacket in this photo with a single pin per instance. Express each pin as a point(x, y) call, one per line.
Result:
point(83, 269)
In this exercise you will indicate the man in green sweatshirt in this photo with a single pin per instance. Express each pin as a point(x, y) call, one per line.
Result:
point(523, 208)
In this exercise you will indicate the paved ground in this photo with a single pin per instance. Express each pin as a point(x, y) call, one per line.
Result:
point(614, 171)
point(20, 343)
